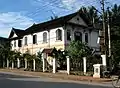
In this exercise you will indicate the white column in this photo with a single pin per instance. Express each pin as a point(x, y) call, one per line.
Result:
point(34, 64)
point(18, 63)
point(25, 63)
point(12, 64)
point(68, 65)
point(7, 63)
point(103, 59)
point(104, 62)
point(54, 65)
point(84, 65)
point(43, 59)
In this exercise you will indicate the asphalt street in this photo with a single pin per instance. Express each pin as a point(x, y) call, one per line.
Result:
point(8, 80)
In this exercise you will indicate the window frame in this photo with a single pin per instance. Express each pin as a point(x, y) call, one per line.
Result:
point(34, 39)
point(69, 37)
point(59, 34)
point(19, 44)
point(80, 36)
point(86, 37)
point(25, 40)
point(45, 37)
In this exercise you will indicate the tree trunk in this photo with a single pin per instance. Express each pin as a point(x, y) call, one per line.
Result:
point(25, 63)
point(3, 63)
point(12, 64)
point(7, 63)
point(33, 64)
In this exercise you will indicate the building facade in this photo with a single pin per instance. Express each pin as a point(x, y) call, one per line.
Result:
point(54, 33)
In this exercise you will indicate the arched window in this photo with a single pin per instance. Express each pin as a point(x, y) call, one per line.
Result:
point(25, 40)
point(86, 37)
point(59, 34)
point(44, 37)
point(78, 36)
point(19, 43)
point(34, 39)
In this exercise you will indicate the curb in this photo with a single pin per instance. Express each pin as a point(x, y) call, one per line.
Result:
point(58, 76)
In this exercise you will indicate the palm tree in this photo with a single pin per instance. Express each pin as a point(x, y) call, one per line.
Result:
point(12, 57)
point(27, 58)
point(39, 62)
point(18, 57)
point(115, 33)
point(34, 57)
point(90, 14)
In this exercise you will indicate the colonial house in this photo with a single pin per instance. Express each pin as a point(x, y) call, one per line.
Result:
point(54, 33)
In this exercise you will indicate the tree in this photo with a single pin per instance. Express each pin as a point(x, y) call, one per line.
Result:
point(115, 33)
point(27, 58)
point(77, 50)
point(90, 14)
point(39, 62)
point(4, 50)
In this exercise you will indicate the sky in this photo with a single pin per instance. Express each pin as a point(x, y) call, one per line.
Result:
point(21, 14)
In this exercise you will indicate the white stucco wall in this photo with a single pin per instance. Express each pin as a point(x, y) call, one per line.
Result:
point(78, 20)
point(51, 41)
point(92, 35)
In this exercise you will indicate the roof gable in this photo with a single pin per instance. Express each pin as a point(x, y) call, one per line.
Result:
point(16, 33)
point(78, 20)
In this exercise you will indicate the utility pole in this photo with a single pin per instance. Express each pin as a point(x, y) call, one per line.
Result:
point(109, 38)
point(103, 37)
point(103, 47)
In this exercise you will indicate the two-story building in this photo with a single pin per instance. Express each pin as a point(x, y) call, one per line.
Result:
point(54, 33)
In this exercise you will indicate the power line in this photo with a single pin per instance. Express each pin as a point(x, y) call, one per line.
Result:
point(44, 6)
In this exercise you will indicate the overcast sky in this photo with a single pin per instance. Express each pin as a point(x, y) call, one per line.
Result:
point(23, 13)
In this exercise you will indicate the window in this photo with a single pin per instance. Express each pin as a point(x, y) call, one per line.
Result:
point(15, 43)
point(59, 34)
point(34, 39)
point(19, 43)
point(86, 37)
point(68, 35)
point(25, 40)
point(45, 37)
point(78, 36)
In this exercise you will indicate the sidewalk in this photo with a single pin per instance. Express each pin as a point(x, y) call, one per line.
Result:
point(56, 75)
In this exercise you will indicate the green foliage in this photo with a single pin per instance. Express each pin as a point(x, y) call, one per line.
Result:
point(39, 58)
point(77, 50)
point(39, 63)
point(27, 56)
point(58, 54)
point(90, 15)
point(115, 33)
point(39, 55)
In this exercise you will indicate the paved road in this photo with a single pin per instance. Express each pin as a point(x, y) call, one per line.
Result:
point(8, 80)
